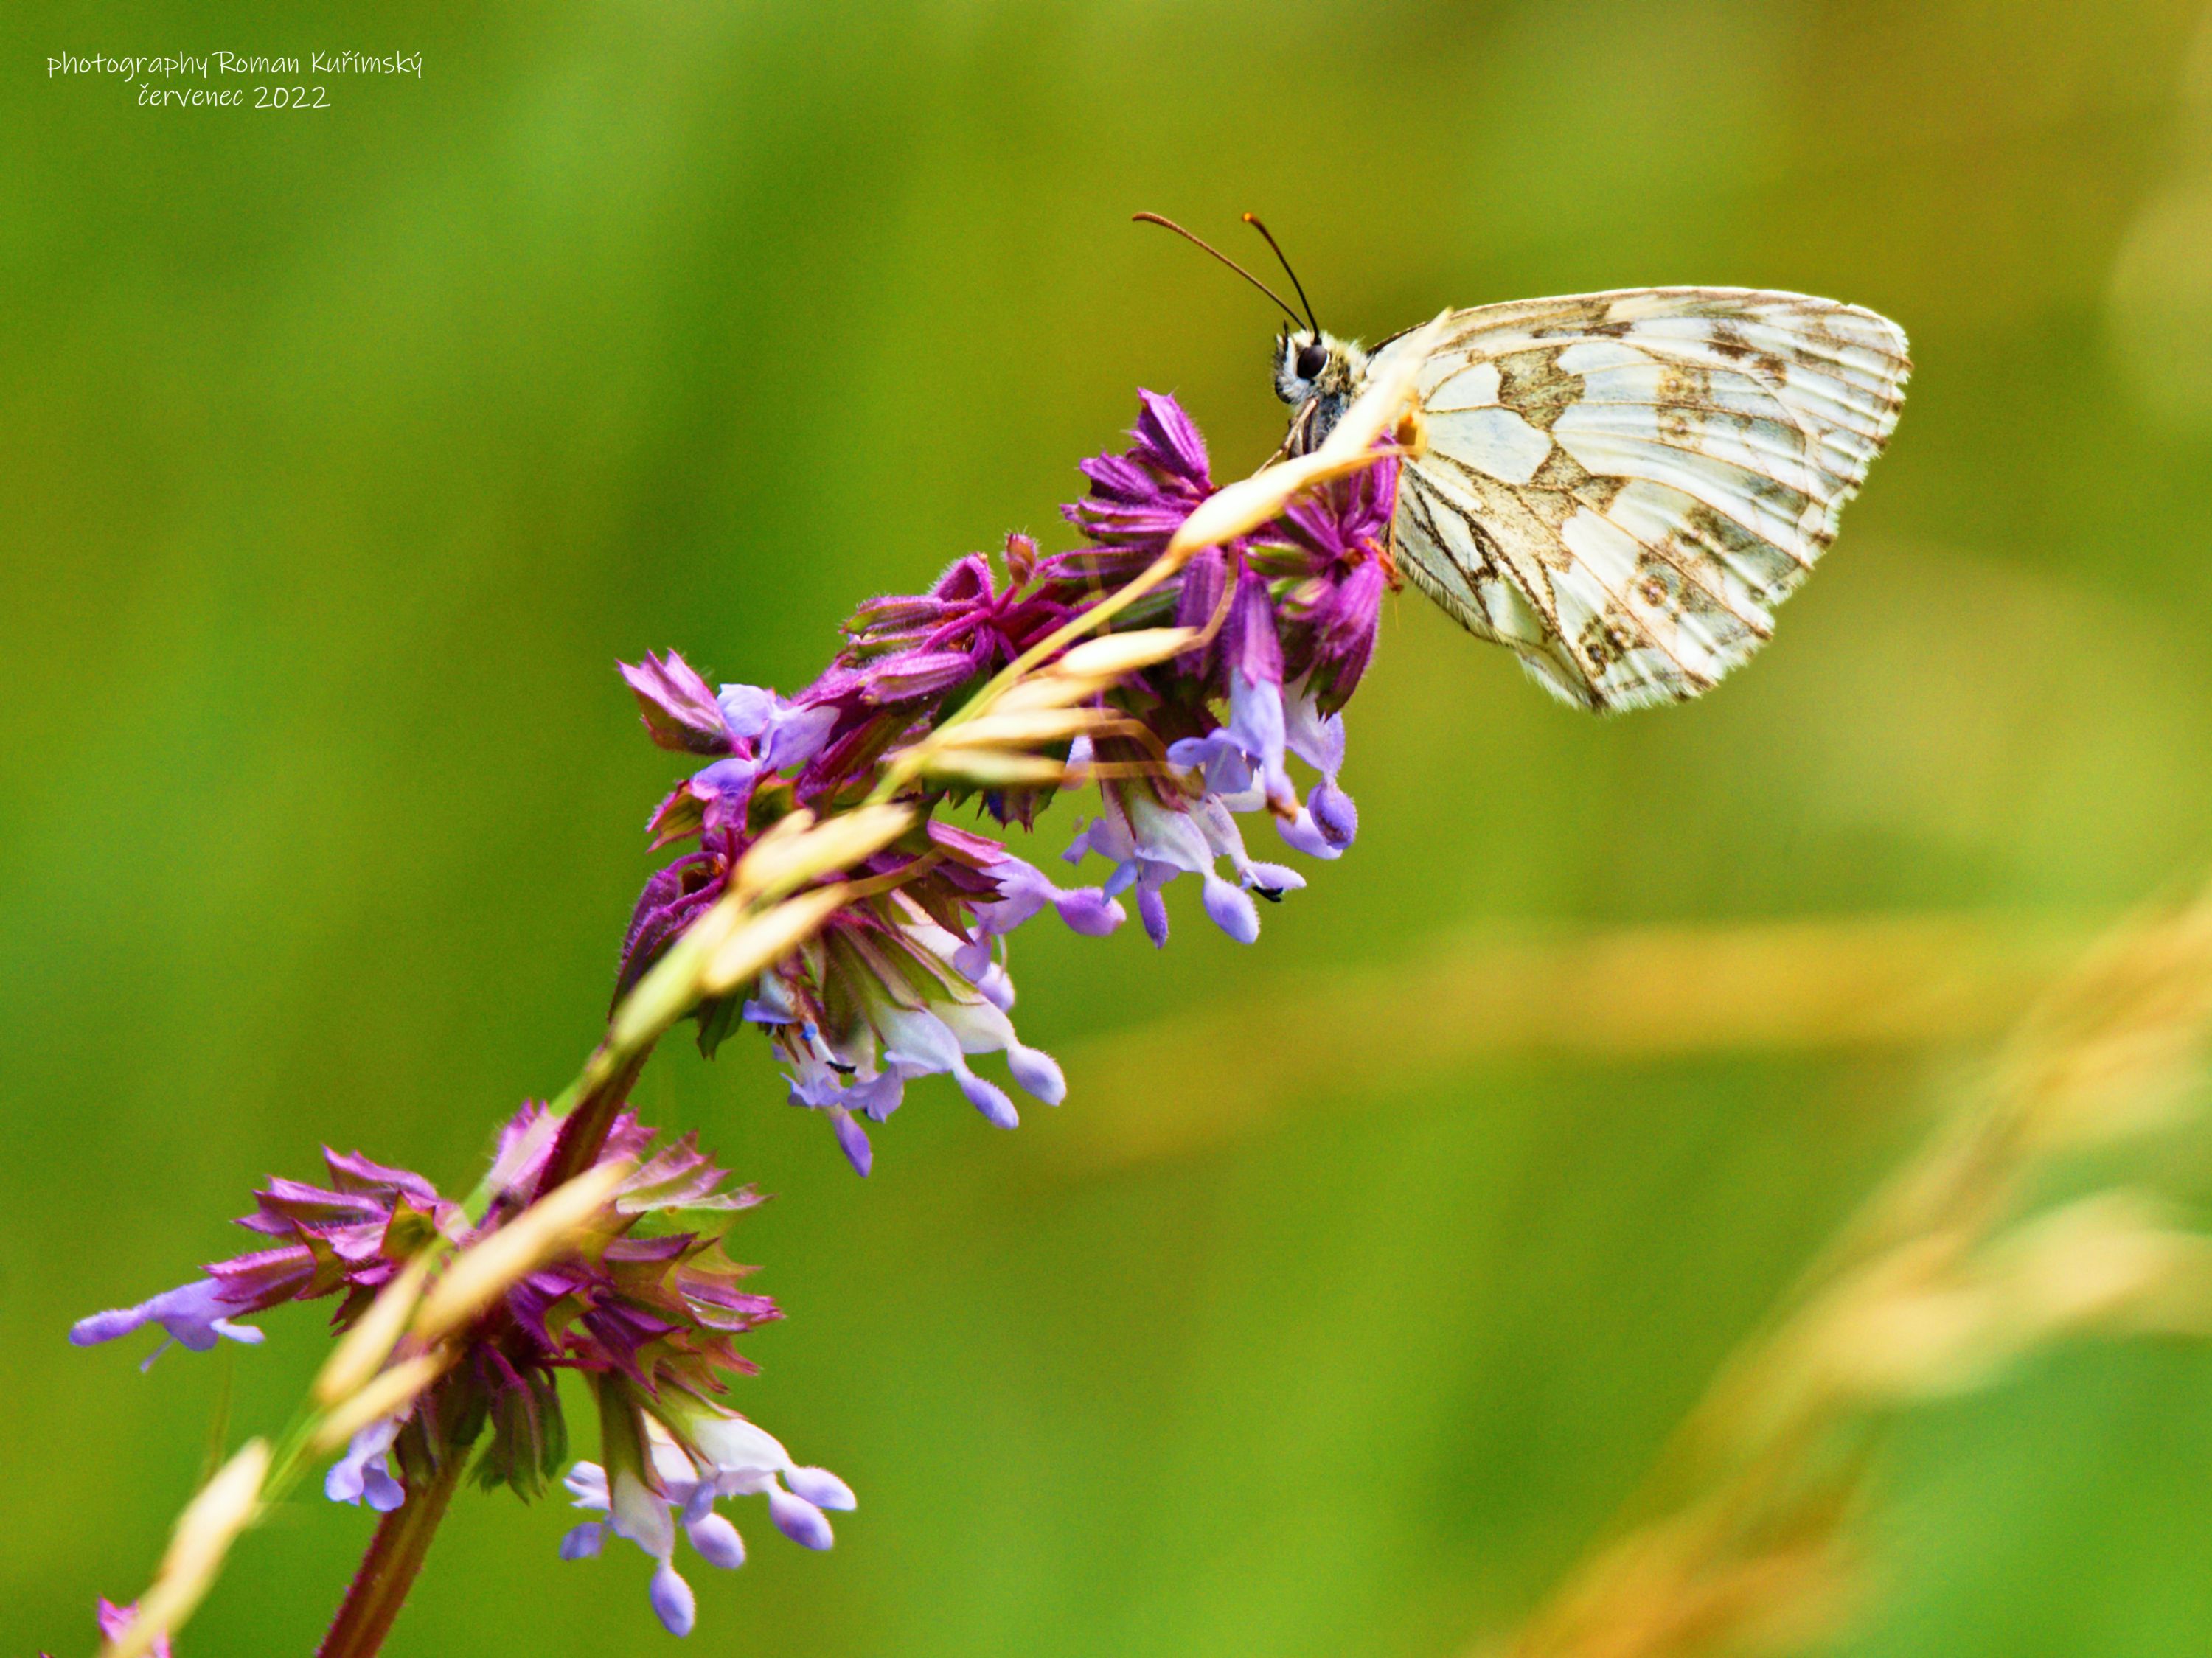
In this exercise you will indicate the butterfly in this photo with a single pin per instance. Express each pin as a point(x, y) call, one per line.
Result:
point(1619, 487)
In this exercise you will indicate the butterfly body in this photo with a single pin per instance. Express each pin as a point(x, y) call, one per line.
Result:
point(1621, 487)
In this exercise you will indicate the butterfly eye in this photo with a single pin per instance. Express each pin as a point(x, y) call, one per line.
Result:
point(1311, 360)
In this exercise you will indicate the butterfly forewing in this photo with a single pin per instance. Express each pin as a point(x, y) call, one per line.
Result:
point(1622, 486)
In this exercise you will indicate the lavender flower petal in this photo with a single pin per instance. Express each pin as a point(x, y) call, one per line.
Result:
point(853, 1140)
point(821, 1487)
point(364, 1472)
point(1038, 1073)
point(673, 1602)
point(1154, 910)
point(191, 1315)
point(1231, 909)
point(799, 1520)
point(717, 1540)
point(1334, 813)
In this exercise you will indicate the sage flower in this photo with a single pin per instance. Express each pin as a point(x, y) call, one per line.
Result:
point(913, 980)
point(670, 1460)
point(658, 1303)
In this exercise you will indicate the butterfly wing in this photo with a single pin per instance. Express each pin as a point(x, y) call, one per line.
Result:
point(1622, 486)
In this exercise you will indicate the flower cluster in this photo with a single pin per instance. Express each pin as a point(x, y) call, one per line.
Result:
point(671, 1459)
point(823, 897)
point(908, 979)
point(650, 1311)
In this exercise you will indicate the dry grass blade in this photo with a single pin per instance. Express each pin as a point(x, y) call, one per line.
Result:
point(670, 987)
point(1053, 690)
point(1377, 409)
point(392, 1390)
point(212, 1520)
point(366, 1346)
point(987, 751)
point(729, 943)
point(2116, 1261)
point(1689, 1586)
point(1115, 654)
point(556, 1224)
point(769, 937)
point(2119, 1045)
point(1239, 508)
point(780, 864)
point(1025, 728)
point(992, 769)
point(1865, 982)
point(2113, 1048)
point(1936, 1284)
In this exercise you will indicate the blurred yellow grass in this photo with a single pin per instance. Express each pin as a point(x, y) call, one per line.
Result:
point(1197, 1080)
point(1743, 1539)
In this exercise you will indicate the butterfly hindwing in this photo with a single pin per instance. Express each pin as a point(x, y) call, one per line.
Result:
point(1621, 487)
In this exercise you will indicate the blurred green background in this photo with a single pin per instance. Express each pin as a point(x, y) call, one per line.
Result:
point(345, 451)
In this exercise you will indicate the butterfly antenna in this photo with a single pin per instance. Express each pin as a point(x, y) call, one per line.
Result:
point(1289, 310)
point(1253, 219)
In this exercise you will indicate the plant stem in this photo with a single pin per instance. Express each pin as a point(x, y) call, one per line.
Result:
point(387, 1570)
point(584, 1132)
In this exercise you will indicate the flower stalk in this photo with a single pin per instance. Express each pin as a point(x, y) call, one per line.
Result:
point(389, 1567)
point(829, 903)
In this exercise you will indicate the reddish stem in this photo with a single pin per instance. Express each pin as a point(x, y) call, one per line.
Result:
point(396, 1553)
point(585, 1132)
point(387, 1570)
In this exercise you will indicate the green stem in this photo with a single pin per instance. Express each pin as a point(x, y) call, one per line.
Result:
point(388, 1569)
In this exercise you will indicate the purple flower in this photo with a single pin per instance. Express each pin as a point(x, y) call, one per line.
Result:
point(672, 899)
point(658, 1303)
point(900, 986)
point(1329, 822)
point(907, 978)
point(782, 734)
point(679, 710)
point(673, 1460)
point(363, 1474)
point(193, 1315)
point(894, 1005)
point(1150, 844)
point(748, 720)
point(912, 981)
point(1242, 760)
point(1025, 890)
point(1139, 499)
point(967, 623)
point(1343, 533)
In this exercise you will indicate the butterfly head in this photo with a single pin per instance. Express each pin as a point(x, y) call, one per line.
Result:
point(1318, 375)
point(1308, 365)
